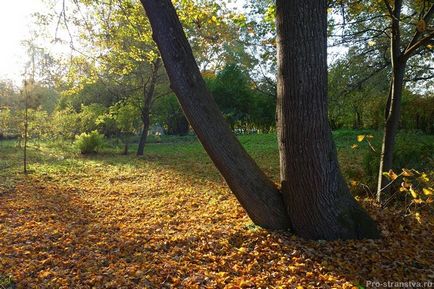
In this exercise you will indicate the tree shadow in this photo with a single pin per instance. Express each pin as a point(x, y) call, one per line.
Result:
point(56, 236)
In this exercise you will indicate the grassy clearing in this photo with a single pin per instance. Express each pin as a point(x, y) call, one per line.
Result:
point(168, 220)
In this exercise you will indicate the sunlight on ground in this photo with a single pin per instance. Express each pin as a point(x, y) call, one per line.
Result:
point(168, 220)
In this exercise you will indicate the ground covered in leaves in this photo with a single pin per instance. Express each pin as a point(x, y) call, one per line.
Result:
point(168, 220)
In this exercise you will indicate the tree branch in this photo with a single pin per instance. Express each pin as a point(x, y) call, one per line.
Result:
point(415, 43)
point(423, 41)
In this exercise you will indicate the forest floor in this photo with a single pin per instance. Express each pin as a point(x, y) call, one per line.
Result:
point(168, 220)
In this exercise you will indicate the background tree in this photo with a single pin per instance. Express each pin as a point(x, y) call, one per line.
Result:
point(396, 34)
point(127, 120)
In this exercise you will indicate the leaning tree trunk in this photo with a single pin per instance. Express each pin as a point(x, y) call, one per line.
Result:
point(256, 193)
point(317, 198)
point(148, 96)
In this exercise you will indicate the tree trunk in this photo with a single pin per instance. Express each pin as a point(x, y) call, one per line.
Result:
point(358, 124)
point(126, 140)
point(256, 193)
point(317, 198)
point(177, 124)
point(393, 110)
point(148, 95)
point(143, 138)
point(393, 105)
point(26, 128)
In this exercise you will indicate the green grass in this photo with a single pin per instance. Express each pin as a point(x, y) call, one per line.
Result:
point(186, 154)
point(176, 188)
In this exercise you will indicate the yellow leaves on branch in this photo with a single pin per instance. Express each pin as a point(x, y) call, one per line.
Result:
point(421, 26)
point(392, 176)
point(413, 193)
point(362, 137)
point(407, 173)
point(428, 191)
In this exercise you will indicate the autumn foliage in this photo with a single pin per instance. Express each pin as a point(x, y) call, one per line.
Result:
point(169, 221)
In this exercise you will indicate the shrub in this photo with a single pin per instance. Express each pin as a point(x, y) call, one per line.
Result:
point(415, 151)
point(89, 143)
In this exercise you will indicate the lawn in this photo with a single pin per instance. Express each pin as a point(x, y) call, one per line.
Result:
point(168, 220)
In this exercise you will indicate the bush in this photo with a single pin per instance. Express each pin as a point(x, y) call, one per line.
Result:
point(89, 143)
point(412, 151)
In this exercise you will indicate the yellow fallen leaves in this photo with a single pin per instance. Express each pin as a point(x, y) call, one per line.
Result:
point(174, 224)
point(428, 191)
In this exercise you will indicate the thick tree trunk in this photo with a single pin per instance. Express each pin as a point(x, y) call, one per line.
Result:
point(317, 198)
point(148, 96)
point(256, 193)
point(393, 111)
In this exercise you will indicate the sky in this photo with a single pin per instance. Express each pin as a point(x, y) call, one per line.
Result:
point(15, 20)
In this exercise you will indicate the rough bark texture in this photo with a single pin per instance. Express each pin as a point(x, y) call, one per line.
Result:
point(319, 203)
point(256, 193)
point(148, 96)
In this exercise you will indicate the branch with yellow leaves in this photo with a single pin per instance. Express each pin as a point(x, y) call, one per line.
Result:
point(417, 42)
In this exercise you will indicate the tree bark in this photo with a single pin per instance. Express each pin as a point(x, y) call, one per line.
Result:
point(26, 127)
point(143, 137)
point(126, 141)
point(316, 196)
point(256, 193)
point(393, 111)
point(358, 123)
point(148, 95)
point(393, 105)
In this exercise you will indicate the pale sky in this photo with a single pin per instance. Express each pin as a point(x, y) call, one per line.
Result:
point(15, 20)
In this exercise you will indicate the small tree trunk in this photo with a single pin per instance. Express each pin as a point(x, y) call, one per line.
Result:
point(26, 128)
point(393, 104)
point(143, 137)
point(393, 109)
point(317, 198)
point(357, 119)
point(126, 144)
point(148, 96)
point(256, 193)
